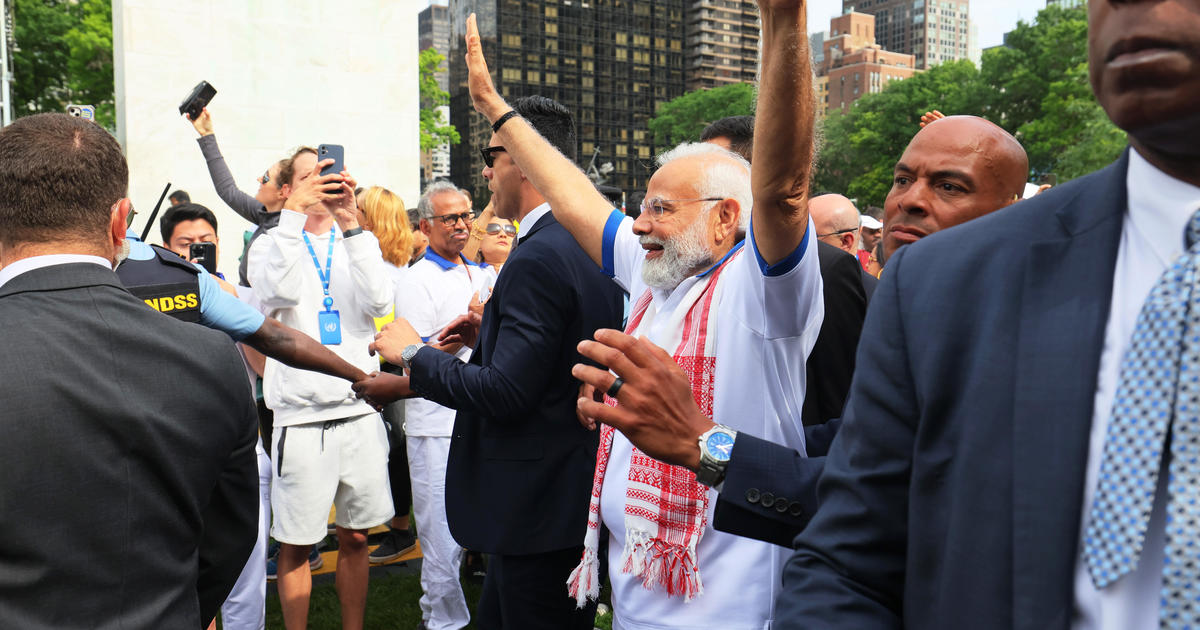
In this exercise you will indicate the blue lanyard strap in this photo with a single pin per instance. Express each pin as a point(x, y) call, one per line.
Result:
point(326, 273)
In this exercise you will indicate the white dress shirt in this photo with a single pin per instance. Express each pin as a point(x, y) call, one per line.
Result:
point(37, 262)
point(531, 219)
point(1151, 240)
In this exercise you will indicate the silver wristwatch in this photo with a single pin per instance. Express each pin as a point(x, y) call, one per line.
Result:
point(716, 447)
point(407, 355)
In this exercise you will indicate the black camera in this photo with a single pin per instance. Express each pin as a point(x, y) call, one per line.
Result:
point(197, 100)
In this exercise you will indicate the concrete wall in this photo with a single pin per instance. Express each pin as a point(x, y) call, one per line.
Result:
point(287, 73)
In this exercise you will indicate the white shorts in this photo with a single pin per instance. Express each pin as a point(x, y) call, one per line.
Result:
point(341, 463)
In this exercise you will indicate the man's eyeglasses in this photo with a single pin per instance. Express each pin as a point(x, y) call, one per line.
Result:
point(489, 155)
point(450, 220)
point(837, 232)
point(129, 217)
point(658, 207)
point(495, 228)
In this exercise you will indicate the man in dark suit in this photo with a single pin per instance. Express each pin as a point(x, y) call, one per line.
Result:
point(520, 468)
point(128, 433)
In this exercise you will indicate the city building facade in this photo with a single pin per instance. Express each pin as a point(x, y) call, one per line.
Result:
point(932, 31)
point(611, 62)
point(721, 43)
point(853, 64)
point(433, 31)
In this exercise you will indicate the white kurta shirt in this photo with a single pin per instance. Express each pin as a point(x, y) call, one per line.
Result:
point(1151, 240)
point(767, 322)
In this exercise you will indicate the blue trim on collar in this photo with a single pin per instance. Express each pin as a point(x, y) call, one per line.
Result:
point(723, 259)
point(446, 265)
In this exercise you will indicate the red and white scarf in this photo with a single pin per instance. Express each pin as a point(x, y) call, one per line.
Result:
point(665, 507)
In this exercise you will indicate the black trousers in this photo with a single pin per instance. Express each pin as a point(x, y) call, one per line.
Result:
point(530, 592)
point(393, 416)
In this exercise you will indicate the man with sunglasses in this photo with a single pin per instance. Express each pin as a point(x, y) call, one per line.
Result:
point(739, 314)
point(437, 289)
point(519, 464)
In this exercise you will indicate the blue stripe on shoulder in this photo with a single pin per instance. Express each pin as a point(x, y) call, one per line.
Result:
point(609, 242)
point(785, 265)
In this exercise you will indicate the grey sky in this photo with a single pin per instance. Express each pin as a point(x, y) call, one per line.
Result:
point(993, 17)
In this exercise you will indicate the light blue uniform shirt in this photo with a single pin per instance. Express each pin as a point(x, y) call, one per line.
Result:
point(218, 309)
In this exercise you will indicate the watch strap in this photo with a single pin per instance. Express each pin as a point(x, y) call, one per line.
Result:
point(354, 231)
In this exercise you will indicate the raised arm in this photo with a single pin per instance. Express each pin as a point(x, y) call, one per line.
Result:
point(577, 205)
point(242, 203)
point(783, 131)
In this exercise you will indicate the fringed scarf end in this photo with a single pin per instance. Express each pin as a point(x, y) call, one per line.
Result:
point(584, 582)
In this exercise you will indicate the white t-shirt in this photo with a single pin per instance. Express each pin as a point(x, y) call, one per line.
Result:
point(287, 283)
point(430, 295)
point(767, 322)
point(1151, 239)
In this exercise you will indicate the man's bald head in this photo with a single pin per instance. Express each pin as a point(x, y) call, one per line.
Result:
point(954, 170)
point(1005, 159)
point(837, 221)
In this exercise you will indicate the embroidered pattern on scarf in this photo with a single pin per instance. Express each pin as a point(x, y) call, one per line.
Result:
point(665, 507)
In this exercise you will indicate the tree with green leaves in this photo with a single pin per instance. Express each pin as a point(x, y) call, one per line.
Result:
point(684, 117)
point(1035, 88)
point(435, 129)
point(63, 55)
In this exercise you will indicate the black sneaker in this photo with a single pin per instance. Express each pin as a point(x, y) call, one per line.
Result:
point(473, 567)
point(396, 543)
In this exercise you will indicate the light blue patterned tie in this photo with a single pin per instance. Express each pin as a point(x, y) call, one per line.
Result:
point(1158, 399)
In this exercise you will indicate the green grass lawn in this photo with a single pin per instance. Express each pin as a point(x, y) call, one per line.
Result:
point(391, 603)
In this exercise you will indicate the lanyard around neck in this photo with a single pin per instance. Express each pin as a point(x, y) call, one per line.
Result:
point(326, 273)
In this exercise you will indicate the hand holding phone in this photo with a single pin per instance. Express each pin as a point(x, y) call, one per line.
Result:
point(333, 152)
point(205, 255)
point(197, 100)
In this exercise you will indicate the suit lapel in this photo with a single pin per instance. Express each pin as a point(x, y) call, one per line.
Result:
point(1063, 315)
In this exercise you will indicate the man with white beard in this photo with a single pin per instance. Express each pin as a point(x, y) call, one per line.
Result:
point(724, 276)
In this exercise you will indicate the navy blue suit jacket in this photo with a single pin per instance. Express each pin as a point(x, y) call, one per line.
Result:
point(519, 475)
point(770, 490)
point(952, 496)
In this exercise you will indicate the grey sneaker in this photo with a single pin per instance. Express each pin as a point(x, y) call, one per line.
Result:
point(396, 543)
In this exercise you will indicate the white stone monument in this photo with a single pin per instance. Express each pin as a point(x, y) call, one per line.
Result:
point(287, 73)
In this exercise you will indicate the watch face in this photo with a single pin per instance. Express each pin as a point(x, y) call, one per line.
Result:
point(719, 446)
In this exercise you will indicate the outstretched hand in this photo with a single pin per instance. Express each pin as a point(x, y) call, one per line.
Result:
point(484, 97)
point(464, 329)
point(929, 117)
point(657, 411)
point(391, 341)
point(380, 389)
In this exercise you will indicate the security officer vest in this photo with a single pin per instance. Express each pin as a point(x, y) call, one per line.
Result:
point(168, 283)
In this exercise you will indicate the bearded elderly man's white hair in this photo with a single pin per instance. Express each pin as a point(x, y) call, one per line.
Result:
point(727, 178)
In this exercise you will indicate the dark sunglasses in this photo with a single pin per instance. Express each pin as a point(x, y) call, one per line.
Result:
point(489, 155)
point(495, 228)
point(266, 177)
point(451, 220)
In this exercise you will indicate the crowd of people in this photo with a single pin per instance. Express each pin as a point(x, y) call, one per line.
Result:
point(742, 404)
